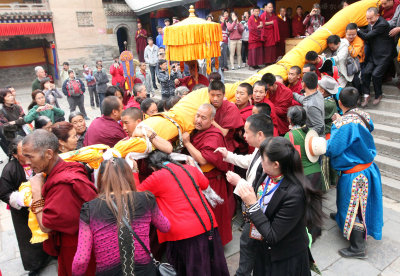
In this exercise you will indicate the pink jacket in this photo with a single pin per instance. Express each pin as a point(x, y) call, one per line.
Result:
point(235, 30)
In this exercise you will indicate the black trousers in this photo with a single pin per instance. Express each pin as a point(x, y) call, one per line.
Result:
point(375, 72)
point(153, 76)
point(245, 50)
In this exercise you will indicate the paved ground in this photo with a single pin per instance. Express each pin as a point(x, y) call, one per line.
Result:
point(383, 256)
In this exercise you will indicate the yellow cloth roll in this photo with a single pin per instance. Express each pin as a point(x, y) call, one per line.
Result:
point(37, 234)
point(92, 155)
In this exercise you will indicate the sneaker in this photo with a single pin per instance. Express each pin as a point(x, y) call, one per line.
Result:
point(233, 68)
point(87, 118)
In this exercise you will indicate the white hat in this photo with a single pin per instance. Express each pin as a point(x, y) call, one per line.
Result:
point(329, 84)
point(314, 145)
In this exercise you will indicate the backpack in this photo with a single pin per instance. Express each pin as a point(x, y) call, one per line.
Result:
point(74, 88)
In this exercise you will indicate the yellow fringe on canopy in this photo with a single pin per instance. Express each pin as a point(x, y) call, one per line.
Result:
point(193, 38)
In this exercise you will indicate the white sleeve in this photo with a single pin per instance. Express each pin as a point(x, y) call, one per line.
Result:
point(242, 161)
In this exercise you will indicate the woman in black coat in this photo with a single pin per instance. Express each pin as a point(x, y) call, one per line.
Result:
point(279, 210)
point(11, 118)
point(32, 255)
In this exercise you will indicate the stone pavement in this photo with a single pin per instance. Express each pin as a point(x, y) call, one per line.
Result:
point(383, 256)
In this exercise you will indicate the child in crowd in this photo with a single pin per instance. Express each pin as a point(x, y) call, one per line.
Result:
point(168, 81)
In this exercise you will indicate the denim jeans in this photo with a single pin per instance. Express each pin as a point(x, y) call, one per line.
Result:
point(153, 75)
point(94, 97)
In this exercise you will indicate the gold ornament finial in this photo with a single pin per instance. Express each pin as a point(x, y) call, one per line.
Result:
point(191, 11)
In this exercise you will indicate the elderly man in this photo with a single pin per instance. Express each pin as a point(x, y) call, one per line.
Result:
point(40, 75)
point(106, 129)
point(257, 128)
point(382, 52)
point(58, 191)
point(139, 94)
point(205, 140)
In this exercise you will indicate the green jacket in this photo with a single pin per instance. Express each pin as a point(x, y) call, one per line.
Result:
point(33, 115)
point(330, 109)
point(36, 85)
point(299, 137)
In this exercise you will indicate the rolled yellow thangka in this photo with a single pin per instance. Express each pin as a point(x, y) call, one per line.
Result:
point(37, 235)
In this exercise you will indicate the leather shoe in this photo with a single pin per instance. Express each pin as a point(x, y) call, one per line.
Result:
point(377, 100)
point(364, 102)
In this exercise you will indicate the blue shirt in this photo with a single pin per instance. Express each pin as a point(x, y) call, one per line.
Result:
point(159, 41)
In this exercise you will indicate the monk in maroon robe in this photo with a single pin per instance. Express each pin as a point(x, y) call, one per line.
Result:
point(205, 140)
point(298, 28)
point(141, 41)
point(294, 82)
point(58, 198)
point(194, 78)
point(281, 97)
point(227, 118)
point(243, 96)
point(284, 32)
point(388, 8)
point(255, 49)
point(270, 34)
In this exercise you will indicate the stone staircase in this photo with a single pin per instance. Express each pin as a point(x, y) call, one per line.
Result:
point(386, 118)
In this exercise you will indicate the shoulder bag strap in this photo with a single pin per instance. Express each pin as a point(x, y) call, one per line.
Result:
point(362, 119)
point(211, 232)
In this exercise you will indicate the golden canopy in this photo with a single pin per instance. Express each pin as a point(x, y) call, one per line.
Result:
point(193, 38)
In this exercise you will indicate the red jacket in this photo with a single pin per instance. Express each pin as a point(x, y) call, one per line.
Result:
point(117, 75)
point(174, 205)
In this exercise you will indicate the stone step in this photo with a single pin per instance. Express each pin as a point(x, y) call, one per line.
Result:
point(391, 187)
point(385, 117)
point(388, 148)
point(386, 104)
point(386, 132)
point(388, 166)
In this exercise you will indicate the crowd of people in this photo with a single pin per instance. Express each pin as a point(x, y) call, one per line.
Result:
point(274, 151)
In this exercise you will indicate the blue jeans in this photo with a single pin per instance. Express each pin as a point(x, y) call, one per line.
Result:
point(153, 75)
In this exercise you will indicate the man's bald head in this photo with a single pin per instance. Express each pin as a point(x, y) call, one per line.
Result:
point(204, 116)
point(41, 140)
point(40, 150)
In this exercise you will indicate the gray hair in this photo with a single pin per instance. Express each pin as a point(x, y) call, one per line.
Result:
point(138, 87)
point(210, 107)
point(179, 91)
point(42, 140)
point(374, 10)
point(38, 68)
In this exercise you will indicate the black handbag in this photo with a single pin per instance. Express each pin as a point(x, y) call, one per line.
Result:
point(353, 66)
point(163, 269)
